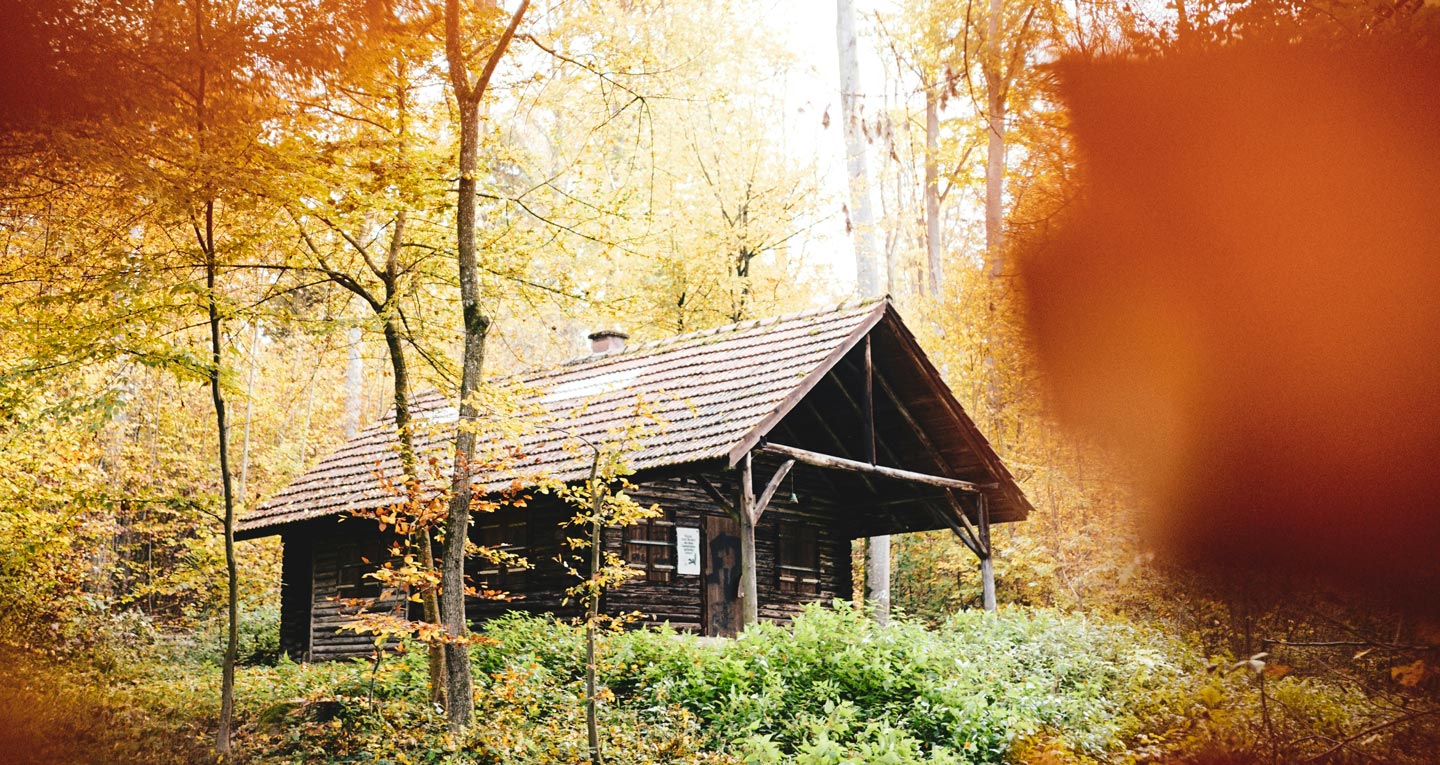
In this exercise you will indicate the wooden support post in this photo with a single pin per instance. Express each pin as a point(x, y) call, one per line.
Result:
point(959, 522)
point(877, 562)
point(835, 440)
point(749, 590)
point(959, 531)
point(987, 563)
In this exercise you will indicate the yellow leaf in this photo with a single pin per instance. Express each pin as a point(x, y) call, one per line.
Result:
point(1409, 675)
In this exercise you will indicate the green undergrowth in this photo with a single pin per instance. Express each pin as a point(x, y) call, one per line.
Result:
point(835, 688)
point(832, 688)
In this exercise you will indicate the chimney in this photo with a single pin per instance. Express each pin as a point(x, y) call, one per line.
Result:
point(607, 341)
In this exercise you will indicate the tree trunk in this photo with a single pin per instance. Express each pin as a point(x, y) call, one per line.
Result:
point(592, 613)
point(420, 538)
point(861, 220)
point(249, 405)
point(217, 394)
point(354, 383)
point(459, 692)
point(877, 580)
point(457, 520)
point(932, 190)
point(995, 87)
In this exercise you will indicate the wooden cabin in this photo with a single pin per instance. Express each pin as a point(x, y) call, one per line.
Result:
point(770, 445)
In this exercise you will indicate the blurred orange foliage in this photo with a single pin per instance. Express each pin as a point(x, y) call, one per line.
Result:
point(1246, 300)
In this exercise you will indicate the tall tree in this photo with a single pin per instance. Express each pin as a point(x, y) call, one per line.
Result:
point(360, 204)
point(867, 271)
point(861, 221)
point(466, 35)
point(171, 107)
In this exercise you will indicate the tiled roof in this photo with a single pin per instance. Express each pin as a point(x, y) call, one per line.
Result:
point(707, 393)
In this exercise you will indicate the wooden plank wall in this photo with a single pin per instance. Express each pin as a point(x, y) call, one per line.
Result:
point(340, 545)
point(313, 560)
point(679, 602)
point(546, 580)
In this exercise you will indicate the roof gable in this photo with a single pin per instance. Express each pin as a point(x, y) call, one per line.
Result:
point(708, 397)
point(707, 391)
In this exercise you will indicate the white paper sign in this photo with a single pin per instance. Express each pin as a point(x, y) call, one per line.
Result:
point(687, 551)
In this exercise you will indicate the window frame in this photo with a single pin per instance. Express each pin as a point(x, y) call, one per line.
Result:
point(797, 547)
point(352, 575)
point(513, 537)
point(648, 545)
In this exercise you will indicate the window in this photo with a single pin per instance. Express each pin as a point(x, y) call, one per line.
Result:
point(364, 559)
point(509, 535)
point(799, 563)
point(650, 546)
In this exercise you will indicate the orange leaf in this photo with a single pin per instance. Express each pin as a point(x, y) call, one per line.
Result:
point(1276, 671)
point(1409, 675)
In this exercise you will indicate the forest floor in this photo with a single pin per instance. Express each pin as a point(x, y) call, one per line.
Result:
point(1032, 686)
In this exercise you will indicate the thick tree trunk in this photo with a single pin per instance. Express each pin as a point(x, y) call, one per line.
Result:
point(877, 580)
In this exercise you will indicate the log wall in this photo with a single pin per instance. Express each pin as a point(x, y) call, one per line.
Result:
point(343, 545)
point(313, 613)
point(679, 601)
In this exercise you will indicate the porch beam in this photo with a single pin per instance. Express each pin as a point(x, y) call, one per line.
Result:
point(968, 536)
point(817, 459)
point(980, 547)
point(835, 439)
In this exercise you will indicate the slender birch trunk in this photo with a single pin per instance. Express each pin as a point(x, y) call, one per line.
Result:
point(932, 190)
point(877, 566)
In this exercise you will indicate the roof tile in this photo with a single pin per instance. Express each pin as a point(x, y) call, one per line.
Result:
point(708, 390)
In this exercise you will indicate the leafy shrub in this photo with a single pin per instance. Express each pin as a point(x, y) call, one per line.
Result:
point(260, 636)
point(831, 688)
point(834, 685)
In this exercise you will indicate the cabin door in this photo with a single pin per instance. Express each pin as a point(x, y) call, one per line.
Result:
point(720, 612)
